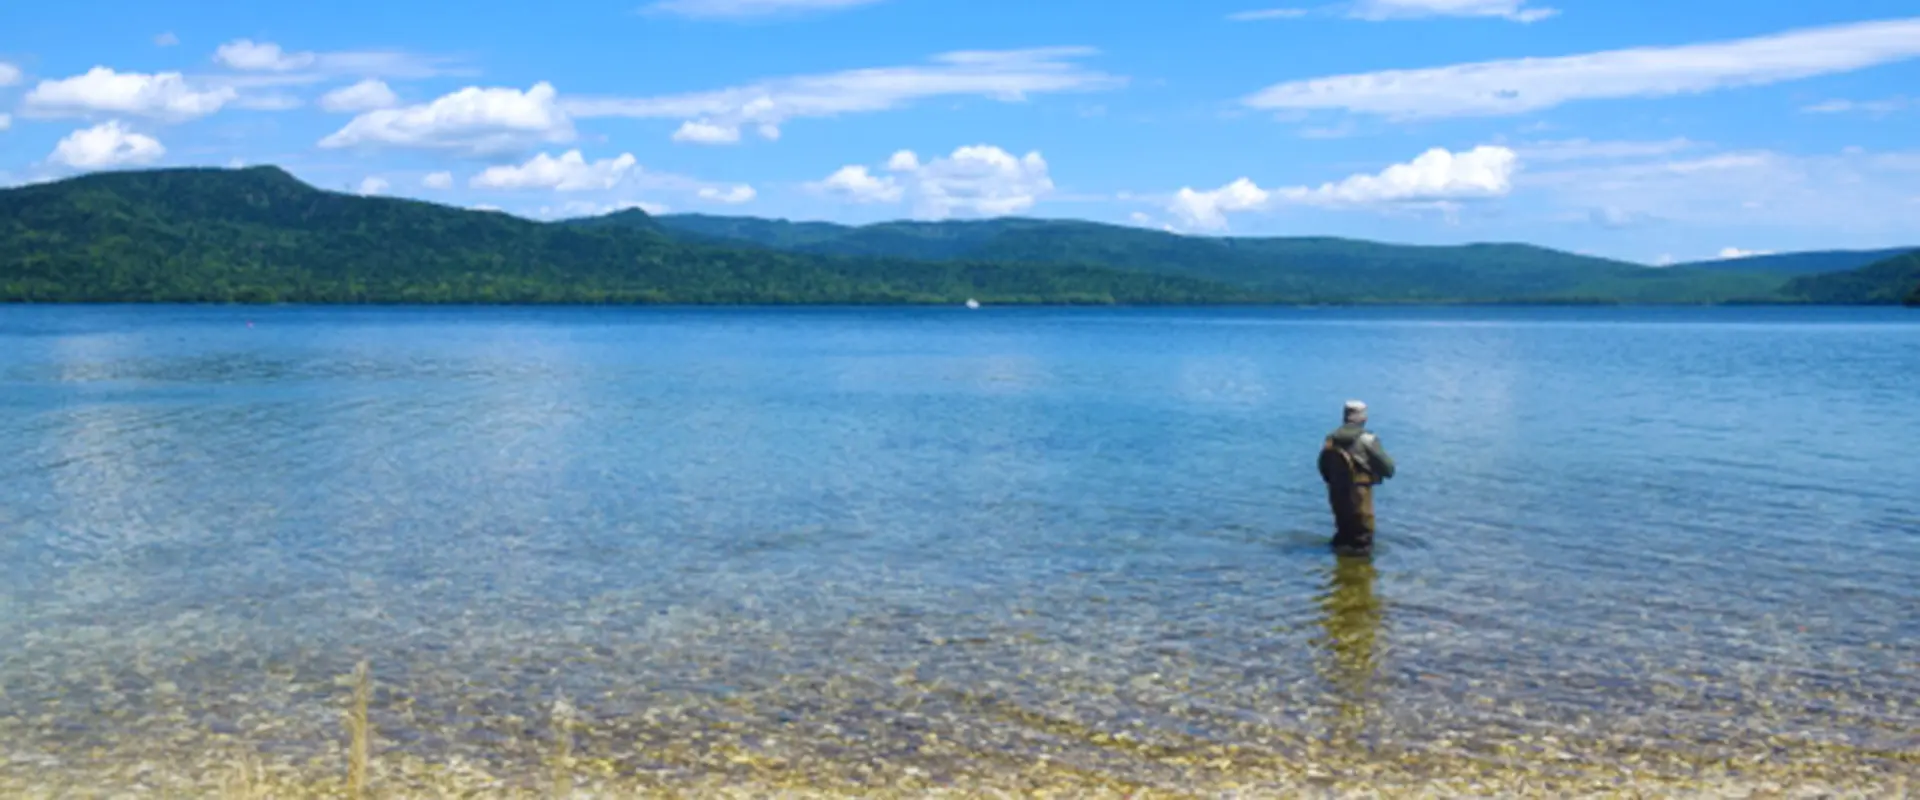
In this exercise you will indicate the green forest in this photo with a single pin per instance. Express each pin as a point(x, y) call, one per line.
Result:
point(259, 235)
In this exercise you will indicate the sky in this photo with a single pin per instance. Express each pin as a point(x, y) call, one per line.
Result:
point(1652, 132)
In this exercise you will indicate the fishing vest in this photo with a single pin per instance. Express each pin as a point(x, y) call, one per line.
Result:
point(1341, 468)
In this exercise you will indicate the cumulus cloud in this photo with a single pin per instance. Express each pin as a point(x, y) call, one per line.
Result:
point(571, 172)
point(1522, 85)
point(1208, 210)
point(717, 116)
point(9, 74)
point(251, 56)
point(166, 40)
point(108, 144)
point(1436, 175)
point(473, 120)
point(166, 96)
point(975, 180)
point(374, 185)
point(702, 132)
point(859, 185)
point(1735, 252)
point(367, 95)
point(438, 180)
point(734, 9)
point(732, 195)
point(6, 121)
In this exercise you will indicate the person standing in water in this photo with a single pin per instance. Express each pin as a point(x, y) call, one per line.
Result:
point(1352, 462)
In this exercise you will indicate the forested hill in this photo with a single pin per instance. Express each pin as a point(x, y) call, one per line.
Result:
point(1888, 282)
point(1315, 269)
point(261, 235)
point(1807, 263)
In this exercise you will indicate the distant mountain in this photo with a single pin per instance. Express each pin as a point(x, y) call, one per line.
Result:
point(1886, 282)
point(1310, 269)
point(261, 235)
point(1795, 264)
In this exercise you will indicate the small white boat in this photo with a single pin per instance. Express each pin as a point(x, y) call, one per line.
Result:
point(972, 303)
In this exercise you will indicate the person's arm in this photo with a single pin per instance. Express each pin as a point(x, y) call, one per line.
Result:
point(1377, 456)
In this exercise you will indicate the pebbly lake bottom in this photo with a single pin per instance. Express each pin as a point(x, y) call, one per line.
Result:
point(678, 552)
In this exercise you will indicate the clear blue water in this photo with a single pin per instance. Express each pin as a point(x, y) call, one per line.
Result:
point(1684, 527)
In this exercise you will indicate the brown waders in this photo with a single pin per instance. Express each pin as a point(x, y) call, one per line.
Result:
point(1350, 494)
point(1352, 516)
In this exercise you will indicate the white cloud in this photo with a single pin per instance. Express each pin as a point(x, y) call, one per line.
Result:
point(733, 196)
point(6, 121)
point(165, 96)
point(374, 185)
point(250, 56)
point(1877, 108)
point(1616, 218)
point(270, 101)
point(1437, 175)
point(1735, 252)
point(254, 65)
point(1522, 85)
point(108, 144)
point(1589, 150)
point(438, 180)
point(9, 74)
point(571, 172)
point(1384, 10)
point(1516, 10)
point(1260, 15)
point(903, 161)
point(702, 132)
point(1008, 76)
point(1208, 210)
point(857, 184)
point(711, 9)
point(166, 40)
point(976, 180)
point(1854, 193)
point(477, 121)
point(367, 95)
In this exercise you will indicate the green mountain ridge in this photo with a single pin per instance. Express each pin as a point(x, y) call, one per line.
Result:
point(1315, 269)
point(1805, 263)
point(1890, 281)
point(261, 235)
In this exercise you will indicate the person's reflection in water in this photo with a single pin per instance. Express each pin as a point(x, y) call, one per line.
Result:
point(1351, 616)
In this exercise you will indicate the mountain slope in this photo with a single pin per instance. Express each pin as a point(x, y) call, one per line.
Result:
point(1314, 269)
point(1808, 263)
point(1890, 281)
point(259, 234)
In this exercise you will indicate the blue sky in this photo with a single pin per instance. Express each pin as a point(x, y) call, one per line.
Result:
point(1649, 131)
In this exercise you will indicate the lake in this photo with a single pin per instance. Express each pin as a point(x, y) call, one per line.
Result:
point(926, 547)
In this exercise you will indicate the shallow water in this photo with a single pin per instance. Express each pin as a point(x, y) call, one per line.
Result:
point(847, 536)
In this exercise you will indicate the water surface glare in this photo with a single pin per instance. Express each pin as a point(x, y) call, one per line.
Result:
point(950, 542)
